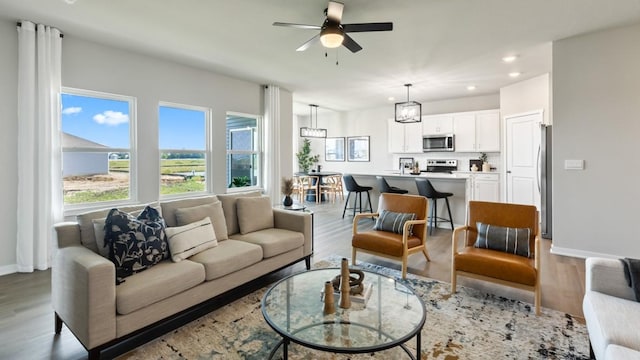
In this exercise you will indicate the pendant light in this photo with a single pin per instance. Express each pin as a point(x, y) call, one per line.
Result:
point(312, 132)
point(408, 111)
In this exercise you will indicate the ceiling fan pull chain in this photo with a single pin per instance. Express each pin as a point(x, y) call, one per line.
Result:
point(337, 57)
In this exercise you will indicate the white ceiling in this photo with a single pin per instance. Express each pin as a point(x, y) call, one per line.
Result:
point(440, 46)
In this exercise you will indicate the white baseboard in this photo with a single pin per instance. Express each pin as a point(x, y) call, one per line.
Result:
point(579, 253)
point(8, 269)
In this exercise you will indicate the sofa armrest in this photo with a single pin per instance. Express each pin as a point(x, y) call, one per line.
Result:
point(299, 221)
point(83, 294)
point(607, 276)
point(68, 234)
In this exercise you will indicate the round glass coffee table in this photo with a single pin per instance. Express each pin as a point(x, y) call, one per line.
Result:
point(393, 314)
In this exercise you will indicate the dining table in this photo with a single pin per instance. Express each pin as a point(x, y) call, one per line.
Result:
point(320, 175)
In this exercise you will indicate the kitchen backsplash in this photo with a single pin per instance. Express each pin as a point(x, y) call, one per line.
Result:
point(463, 159)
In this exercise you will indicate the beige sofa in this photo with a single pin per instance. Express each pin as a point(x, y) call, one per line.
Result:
point(610, 310)
point(100, 314)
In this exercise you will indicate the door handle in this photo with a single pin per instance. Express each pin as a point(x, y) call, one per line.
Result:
point(508, 171)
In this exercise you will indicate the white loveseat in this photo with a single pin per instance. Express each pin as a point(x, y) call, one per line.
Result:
point(100, 314)
point(611, 312)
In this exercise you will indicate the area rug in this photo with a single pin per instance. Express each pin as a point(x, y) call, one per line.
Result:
point(467, 325)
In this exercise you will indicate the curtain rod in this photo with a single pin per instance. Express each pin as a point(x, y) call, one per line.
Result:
point(20, 24)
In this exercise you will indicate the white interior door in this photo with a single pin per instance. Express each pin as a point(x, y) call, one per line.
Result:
point(523, 158)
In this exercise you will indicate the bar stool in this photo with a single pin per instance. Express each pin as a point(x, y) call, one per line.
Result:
point(352, 186)
point(426, 189)
point(386, 188)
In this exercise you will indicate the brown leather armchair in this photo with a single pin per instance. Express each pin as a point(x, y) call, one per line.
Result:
point(492, 265)
point(389, 244)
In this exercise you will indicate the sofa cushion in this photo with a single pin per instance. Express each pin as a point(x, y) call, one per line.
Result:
point(169, 207)
point(510, 240)
point(214, 211)
point(135, 244)
point(229, 207)
point(273, 241)
point(190, 239)
point(254, 213)
point(85, 221)
point(157, 283)
point(616, 352)
point(611, 320)
point(98, 230)
point(227, 257)
point(393, 221)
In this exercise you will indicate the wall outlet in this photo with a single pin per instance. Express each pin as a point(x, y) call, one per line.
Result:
point(574, 164)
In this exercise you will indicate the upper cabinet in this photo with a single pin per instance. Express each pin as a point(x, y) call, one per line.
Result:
point(477, 131)
point(405, 138)
point(437, 124)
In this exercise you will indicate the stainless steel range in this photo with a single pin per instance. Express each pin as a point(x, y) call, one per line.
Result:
point(442, 166)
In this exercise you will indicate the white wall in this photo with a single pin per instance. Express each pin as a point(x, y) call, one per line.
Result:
point(525, 96)
point(8, 144)
point(596, 103)
point(92, 66)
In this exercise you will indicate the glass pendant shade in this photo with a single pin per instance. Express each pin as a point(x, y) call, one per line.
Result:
point(408, 111)
point(312, 132)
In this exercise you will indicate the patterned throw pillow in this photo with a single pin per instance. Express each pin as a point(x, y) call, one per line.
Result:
point(393, 221)
point(135, 244)
point(506, 239)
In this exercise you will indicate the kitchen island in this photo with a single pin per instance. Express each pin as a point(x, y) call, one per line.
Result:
point(453, 183)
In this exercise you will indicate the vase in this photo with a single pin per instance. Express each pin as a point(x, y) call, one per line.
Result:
point(345, 297)
point(287, 201)
point(486, 167)
point(329, 303)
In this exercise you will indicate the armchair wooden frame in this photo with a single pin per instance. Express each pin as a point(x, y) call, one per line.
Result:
point(406, 250)
point(462, 233)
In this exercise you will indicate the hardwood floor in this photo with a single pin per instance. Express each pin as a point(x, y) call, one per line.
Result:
point(27, 323)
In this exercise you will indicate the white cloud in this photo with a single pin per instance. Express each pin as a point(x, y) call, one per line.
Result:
point(71, 110)
point(111, 118)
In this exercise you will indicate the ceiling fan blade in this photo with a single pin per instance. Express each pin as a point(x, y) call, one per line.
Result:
point(309, 42)
point(334, 11)
point(351, 44)
point(382, 26)
point(299, 26)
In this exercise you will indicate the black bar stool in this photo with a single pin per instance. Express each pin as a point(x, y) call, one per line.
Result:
point(351, 186)
point(386, 188)
point(426, 189)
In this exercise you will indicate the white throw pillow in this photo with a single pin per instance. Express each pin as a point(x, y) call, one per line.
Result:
point(214, 211)
point(254, 213)
point(190, 239)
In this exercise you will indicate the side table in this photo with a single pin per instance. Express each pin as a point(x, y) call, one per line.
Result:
point(303, 208)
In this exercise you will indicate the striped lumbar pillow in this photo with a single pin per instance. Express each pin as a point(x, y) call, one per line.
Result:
point(393, 221)
point(506, 239)
point(190, 239)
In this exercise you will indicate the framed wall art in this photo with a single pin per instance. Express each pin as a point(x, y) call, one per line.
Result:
point(358, 148)
point(334, 149)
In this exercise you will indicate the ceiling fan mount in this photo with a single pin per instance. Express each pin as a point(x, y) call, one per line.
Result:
point(333, 33)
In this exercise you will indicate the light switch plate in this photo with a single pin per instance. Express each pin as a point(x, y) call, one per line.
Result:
point(574, 164)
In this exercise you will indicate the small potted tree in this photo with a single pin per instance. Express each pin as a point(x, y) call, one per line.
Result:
point(305, 159)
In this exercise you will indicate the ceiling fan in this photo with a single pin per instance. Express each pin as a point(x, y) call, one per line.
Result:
point(333, 33)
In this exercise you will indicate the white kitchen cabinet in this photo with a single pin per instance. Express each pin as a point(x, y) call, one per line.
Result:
point(405, 138)
point(477, 131)
point(437, 124)
point(485, 187)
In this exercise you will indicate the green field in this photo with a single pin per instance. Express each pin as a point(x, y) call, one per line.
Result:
point(168, 167)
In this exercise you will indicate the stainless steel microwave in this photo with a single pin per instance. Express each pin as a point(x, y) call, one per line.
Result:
point(444, 142)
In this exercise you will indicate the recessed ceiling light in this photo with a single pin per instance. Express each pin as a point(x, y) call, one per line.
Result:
point(514, 74)
point(471, 87)
point(510, 58)
point(391, 98)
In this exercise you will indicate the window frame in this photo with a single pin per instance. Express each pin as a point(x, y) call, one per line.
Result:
point(208, 172)
point(258, 151)
point(74, 209)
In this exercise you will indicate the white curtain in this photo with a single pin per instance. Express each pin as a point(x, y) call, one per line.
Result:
point(39, 151)
point(272, 142)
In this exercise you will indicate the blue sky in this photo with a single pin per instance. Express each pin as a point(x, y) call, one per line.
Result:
point(106, 122)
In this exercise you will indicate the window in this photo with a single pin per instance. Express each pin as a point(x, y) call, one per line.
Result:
point(243, 150)
point(183, 148)
point(97, 151)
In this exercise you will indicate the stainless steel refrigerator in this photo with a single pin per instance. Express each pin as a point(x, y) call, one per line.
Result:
point(544, 183)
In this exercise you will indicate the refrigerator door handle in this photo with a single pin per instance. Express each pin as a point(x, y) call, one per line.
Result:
point(538, 169)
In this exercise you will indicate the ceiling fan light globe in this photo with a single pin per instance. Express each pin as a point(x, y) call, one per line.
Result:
point(331, 40)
